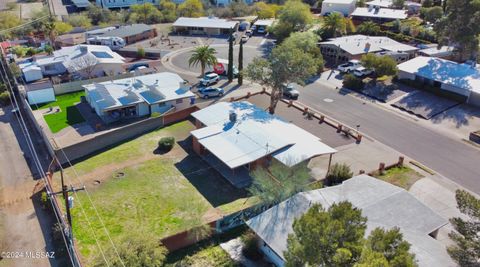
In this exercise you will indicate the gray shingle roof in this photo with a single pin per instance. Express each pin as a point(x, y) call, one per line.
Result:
point(128, 30)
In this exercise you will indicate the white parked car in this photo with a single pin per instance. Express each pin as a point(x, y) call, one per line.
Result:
point(210, 78)
point(349, 66)
point(244, 38)
point(362, 71)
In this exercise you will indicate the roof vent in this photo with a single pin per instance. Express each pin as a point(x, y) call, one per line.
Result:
point(232, 116)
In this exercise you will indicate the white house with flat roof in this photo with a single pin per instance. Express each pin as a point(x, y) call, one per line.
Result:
point(204, 25)
point(385, 205)
point(345, 7)
point(378, 14)
point(138, 96)
point(236, 137)
point(457, 78)
point(354, 46)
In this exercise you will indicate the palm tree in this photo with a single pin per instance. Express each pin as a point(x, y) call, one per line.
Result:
point(368, 28)
point(335, 23)
point(203, 55)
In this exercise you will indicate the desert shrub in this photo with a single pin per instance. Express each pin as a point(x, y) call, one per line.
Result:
point(140, 52)
point(166, 143)
point(5, 98)
point(352, 82)
point(250, 246)
point(339, 173)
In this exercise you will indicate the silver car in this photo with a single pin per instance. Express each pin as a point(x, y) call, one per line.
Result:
point(208, 92)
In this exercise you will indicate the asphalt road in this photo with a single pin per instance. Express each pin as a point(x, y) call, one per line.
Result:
point(451, 158)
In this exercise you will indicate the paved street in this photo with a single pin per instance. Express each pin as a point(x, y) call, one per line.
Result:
point(451, 158)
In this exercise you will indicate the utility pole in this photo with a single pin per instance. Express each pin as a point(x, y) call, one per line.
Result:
point(64, 192)
point(240, 64)
point(230, 57)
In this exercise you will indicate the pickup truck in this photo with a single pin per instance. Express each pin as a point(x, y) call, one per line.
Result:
point(349, 66)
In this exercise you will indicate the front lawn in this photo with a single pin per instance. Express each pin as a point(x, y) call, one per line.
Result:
point(68, 115)
point(403, 177)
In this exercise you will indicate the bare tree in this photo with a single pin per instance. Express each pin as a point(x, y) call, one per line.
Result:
point(84, 65)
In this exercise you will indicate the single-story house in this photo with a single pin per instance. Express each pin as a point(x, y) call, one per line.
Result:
point(224, 3)
point(236, 137)
point(384, 204)
point(350, 47)
point(70, 39)
point(345, 7)
point(83, 60)
point(378, 14)
point(462, 80)
point(123, 3)
point(380, 3)
point(40, 92)
point(265, 23)
point(433, 50)
point(98, 31)
point(138, 96)
point(132, 33)
point(204, 25)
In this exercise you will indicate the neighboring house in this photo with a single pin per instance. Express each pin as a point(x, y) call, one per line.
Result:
point(224, 3)
point(86, 61)
point(236, 137)
point(432, 50)
point(264, 23)
point(123, 3)
point(345, 7)
point(377, 14)
point(132, 33)
point(379, 3)
point(384, 204)
point(349, 47)
point(40, 92)
point(138, 96)
point(98, 31)
point(462, 80)
point(204, 25)
point(70, 39)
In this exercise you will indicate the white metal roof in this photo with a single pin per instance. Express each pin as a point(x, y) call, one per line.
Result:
point(438, 52)
point(385, 13)
point(253, 135)
point(357, 44)
point(264, 22)
point(384, 204)
point(205, 22)
point(151, 89)
point(339, 1)
point(380, 3)
point(463, 76)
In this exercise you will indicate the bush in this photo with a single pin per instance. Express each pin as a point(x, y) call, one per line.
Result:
point(166, 143)
point(352, 82)
point(250, 246)
point(339, 173)
point(155, 115)
point(140, 52)
point(5, 98)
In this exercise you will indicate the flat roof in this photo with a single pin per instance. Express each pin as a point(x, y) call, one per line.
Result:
point(380, 3)
point(339, 1)
point(437, 52)
point(205, 22)
point(152, 88)
point(264, 22)
point(254, 134)
point(385, 13)
point(462, 76)
point(357, 44)
point(384, 204)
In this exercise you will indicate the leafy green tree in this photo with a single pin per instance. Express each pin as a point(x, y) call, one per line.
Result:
point(339, 172)
point(135, 250)
point(459, 27)
point(203, 55)
point(349, 26)
point(427, 3)
point(466, 251)
point(287, 63)
point(390, 245)
point(278, 182)
point(98, 15)
point(398, 4)
point(308, 43)
point(169, 10)
point(383, 65)
point(332, 237)
point(240, 64)
point(241, 9)
point(361, 3)
point(191, 8)
point(230, 57)
point(62, 27)
point(49, 28)
point(146, 13)
point(79, 20)
point(294, 16)
point(368, 28)
point(334, 24)
point(266, 11)
point(431, 14)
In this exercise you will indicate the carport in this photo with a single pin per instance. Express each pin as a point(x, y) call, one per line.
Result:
point(204, 25)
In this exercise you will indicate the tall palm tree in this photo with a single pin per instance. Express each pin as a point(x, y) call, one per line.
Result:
point(335, 23)
point(203, 55)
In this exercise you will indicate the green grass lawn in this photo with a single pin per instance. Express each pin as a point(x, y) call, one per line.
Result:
point(68, 114)
point(153, 197)
point(404, 177)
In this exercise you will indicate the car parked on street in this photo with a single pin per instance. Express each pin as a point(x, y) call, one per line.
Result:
point(349, 66)
point(208, 92)
point(362, 71)
point(249, 33)
point(261, 30)
point(244, 38)
point(209, 79)
point(290, 92)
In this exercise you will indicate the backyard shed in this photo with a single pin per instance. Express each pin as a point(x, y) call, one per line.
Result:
point(32, 72)
point(40, 92)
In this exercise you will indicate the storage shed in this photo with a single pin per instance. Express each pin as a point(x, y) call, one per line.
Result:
point(31, 72)
point(40, 92)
